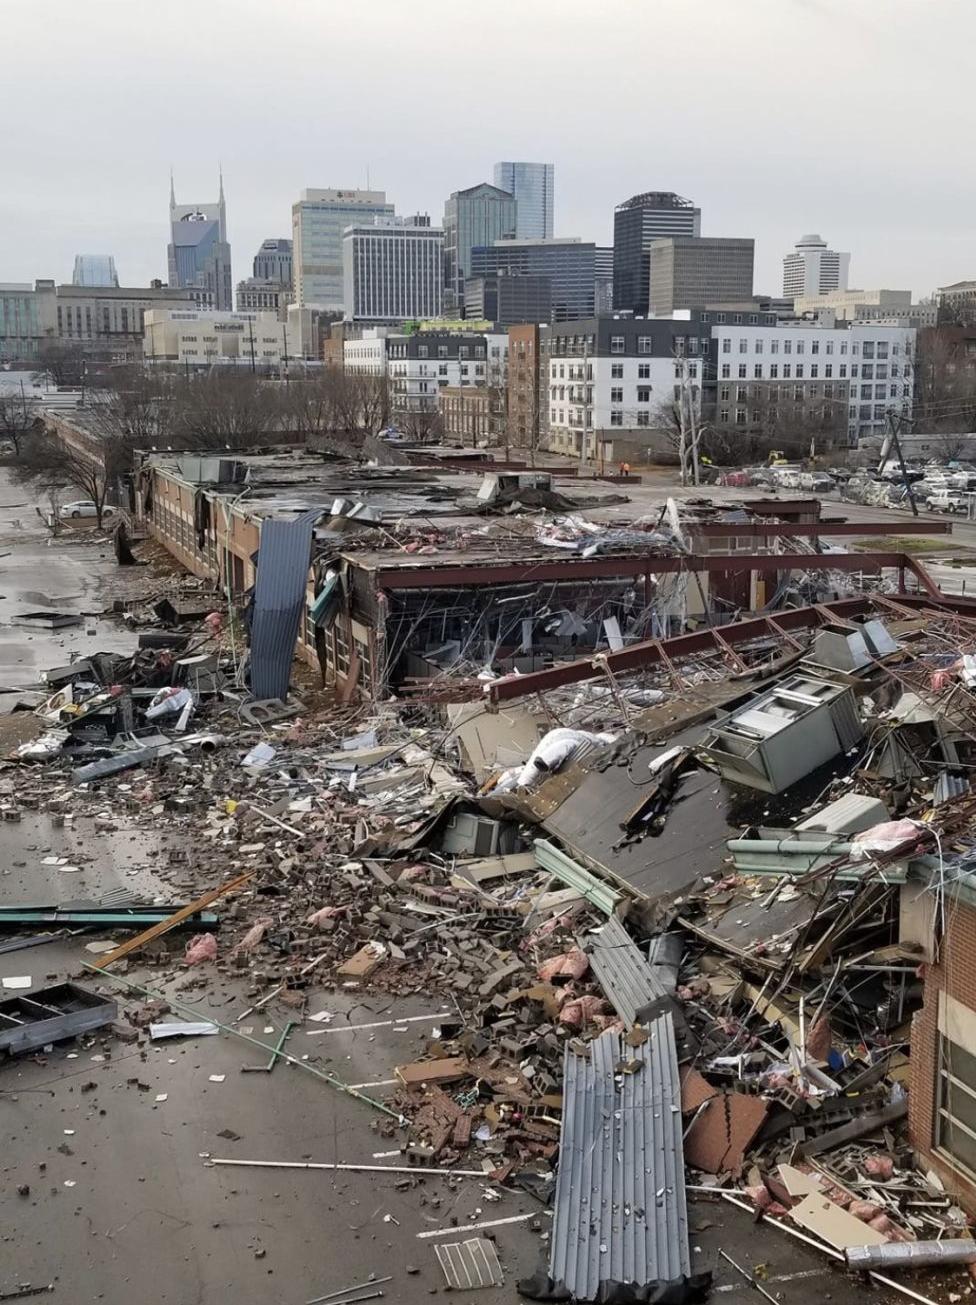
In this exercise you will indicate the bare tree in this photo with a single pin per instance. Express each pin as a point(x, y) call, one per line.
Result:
point(424, 425)
point(945, 379)
point(226, 411)
point(18, 418)
point(61, 363)
point(53, 465)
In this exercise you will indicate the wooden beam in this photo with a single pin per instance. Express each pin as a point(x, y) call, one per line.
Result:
point(157, 931)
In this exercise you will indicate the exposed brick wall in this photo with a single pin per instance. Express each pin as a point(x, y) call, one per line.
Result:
point(956, 975)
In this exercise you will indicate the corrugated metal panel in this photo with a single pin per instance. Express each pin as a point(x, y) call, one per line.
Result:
point(279, 601)
point(628, 981)
point(569, 872)
point(620, 1208)
point(948, 787)
point(847, 722)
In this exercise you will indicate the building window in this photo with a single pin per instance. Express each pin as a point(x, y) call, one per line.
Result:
point(800, 346)
point(743, 369)
point(814, 346)
point(799, 371)
point(814, 370)
point(617, 371)
point(616, 417)
point(787, 371)
point(723, 415)
point(643, 371)
point(774, 346)
point(616, 344)
point(773, 371)
point(721, 317)
point(743, 345)
point(726, 371)
point(726, 345)
point(843, 371)
point(442, 351)
point(829, 346)
point(723, 393)
point(706, 317)
point(423, 351)
point(828, 369)
point(867, 371)
point(867, 349)
point(757, 371)
point(759, 345)
point(643, 418)
point(740, 416)
point(853, 369)
point(645, 344)
point(788, 346)
point(617, 394)
point(644, 394)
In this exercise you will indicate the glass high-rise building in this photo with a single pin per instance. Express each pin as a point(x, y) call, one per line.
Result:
point(95, 270)
point(317, 222)
point(198, 254)
point(532, 186)
point(637, 223)
point(473, 218)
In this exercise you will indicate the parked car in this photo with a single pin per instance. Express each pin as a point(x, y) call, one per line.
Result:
point(84, 507)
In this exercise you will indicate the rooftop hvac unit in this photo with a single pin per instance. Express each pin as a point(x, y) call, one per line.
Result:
point(467, 834)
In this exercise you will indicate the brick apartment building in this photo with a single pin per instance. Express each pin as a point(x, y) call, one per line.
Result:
point(524, 414)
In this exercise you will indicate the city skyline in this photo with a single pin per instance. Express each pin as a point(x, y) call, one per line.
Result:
point(815, 167)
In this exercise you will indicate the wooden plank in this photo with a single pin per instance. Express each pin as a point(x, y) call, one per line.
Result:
point(446, 1070)
point(839, 1229)
point(164, 926)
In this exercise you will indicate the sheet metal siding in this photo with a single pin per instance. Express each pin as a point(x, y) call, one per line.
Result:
point(618, 1149)
point(279, 601)
point(624, 975)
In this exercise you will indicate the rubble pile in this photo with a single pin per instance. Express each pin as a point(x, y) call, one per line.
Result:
point(711, 899)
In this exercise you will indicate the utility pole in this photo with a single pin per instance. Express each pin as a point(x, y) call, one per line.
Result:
point(586, 406)
point(284, 338)
point(687, 390)
point(250, 336)
point(894, 421)
point(682, 433)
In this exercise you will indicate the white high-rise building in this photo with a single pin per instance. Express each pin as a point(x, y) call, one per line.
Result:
point(318, 220)
point(532, 186)
point(393, 270)
point(813, 269)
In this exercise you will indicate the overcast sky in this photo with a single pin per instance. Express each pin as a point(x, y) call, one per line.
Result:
point(853, 118)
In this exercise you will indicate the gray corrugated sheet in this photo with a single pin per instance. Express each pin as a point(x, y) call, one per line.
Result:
point(626, 978)
point(279, 600)
point(620, 1208)
point(948, 787)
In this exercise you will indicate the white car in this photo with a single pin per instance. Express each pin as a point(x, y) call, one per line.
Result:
point(83, 508)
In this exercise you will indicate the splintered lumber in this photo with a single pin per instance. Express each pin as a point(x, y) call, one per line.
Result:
point(157, 930)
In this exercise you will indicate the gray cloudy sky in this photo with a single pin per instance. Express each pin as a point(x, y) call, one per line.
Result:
point(853, 118)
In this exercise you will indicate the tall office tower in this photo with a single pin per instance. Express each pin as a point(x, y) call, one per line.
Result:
point(637, 223)
point(473, 218)
point(95, 270)
point(603, 290)
point(393, 270)
point(532, 186)
point(695, 271)
point(813, 269)
point(318, 220)
point(272, 262)
point(198, 252)
point(568, 263)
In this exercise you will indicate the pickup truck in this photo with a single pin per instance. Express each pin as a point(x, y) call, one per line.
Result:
point(949, 501)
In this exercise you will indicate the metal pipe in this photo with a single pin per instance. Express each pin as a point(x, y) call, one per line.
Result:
point(191, 1013)
point(363, 1169)
point(344, 1291)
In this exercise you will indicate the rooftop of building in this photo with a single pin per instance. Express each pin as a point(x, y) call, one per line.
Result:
point(657, 199)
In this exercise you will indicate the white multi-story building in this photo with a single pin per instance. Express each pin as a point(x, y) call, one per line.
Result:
point(620, 373)
point(865, 369)
point(420, 365)
point(200, 339)
point(813, 269)
point(393, 270)
point(366, 354)
point(318, 221)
